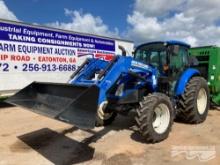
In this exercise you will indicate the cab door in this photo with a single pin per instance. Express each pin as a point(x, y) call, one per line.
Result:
point(178, 61)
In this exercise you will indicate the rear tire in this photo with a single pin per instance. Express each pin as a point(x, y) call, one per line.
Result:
point(194, 104)
point(155, 117)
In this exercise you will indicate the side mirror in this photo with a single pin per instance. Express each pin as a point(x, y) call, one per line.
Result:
point(174, 49)
point(193, 61)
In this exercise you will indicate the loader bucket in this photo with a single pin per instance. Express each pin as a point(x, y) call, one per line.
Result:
point(72, 104)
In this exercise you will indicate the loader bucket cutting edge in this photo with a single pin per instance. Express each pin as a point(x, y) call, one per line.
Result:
point(72, 104)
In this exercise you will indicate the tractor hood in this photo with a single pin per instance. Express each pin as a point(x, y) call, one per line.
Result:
point(137, 66)
point(145, 71)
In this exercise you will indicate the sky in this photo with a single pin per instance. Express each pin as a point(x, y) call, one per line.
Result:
point(196, 22)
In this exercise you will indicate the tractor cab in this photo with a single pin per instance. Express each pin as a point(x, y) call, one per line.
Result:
point(170, 58)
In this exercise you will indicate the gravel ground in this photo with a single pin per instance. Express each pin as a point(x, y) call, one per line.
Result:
point(27, 138)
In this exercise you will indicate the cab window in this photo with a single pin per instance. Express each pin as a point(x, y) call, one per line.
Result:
point(179, 60)
point(153, 54)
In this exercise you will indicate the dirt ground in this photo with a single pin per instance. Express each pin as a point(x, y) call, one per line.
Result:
point(27, 138)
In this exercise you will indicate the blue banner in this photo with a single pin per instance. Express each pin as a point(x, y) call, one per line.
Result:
point(27, 34)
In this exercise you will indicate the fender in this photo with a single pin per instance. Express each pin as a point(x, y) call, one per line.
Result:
point(184, 79)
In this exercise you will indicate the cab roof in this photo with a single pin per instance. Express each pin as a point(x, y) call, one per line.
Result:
point(169, 42)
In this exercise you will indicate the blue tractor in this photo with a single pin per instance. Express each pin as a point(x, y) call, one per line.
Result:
point(159, 83)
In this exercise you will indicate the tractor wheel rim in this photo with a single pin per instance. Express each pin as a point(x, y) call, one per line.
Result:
point(162, 118)
point(202, 100)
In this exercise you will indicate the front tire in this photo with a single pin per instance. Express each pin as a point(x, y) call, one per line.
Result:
point(155, 117)
point(194, 104)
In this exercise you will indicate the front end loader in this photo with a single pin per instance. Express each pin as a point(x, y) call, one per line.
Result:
point(156, 84)
point(90, 89)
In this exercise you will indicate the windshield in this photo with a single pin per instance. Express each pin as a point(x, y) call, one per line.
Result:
point(154, 54)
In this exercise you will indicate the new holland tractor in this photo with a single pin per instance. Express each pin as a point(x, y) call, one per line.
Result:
point(159, 83)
